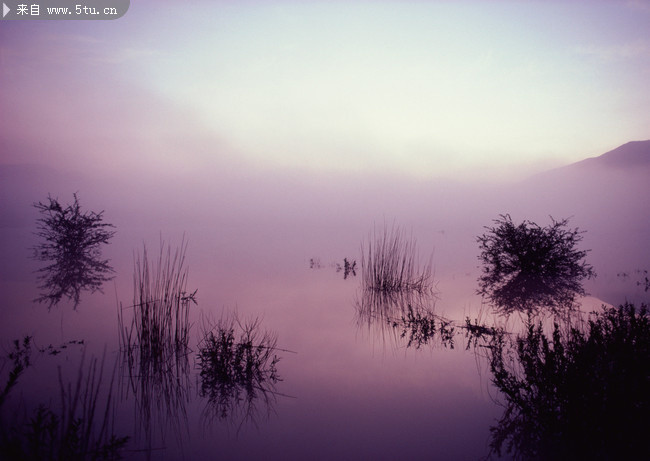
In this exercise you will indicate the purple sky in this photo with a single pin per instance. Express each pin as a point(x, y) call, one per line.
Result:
point(456, 89)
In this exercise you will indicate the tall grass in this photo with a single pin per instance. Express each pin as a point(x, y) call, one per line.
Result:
point(390, 264)
point(161, 302)
point(155, 344)
point(85, 427)
point(82, 428)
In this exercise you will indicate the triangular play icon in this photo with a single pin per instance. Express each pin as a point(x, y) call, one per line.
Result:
point(5, 10)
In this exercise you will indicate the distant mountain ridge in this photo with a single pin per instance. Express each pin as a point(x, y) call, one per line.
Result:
point(631, 154)
point(632, 157)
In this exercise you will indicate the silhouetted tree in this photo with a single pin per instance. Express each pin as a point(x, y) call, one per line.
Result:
point(582, 394)
point(527, 267)
point(72, 245)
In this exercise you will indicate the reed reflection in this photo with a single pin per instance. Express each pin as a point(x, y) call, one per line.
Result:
point(406, 316)
point(80, 427)
point(238, 371)
point(72, 241)
point(397, 296)
point(154, 345)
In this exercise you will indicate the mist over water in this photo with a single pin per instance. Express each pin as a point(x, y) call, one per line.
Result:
point(253, 237)
point(279, 141)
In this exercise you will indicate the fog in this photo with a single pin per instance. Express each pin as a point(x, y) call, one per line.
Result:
point(259, 219)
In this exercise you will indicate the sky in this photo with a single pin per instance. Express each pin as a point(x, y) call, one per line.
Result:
point(416, 88)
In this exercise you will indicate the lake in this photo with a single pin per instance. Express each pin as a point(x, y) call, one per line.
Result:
point(274, 248)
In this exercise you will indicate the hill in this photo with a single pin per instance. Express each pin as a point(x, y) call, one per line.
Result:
point(633, 154)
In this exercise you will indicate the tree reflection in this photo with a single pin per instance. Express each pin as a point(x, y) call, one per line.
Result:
point(238, 370)
point(72, 246)
point(527, 267)
point(578, 392)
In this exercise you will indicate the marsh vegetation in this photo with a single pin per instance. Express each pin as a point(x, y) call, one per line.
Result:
point(155, 344)
point(549, 369)
point(390, 263)
point(578, 392)
point(159, 326)
point(410, 320)
point(237, 364)
point(527, 267)
point(71, 243)
point(80, 428)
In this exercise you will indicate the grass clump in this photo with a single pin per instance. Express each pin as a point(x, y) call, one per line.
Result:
point(154, 345)
point(238, 368)
point(160, 323)
point(390, 264)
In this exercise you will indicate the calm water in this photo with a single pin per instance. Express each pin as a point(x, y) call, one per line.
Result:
point(349, 389)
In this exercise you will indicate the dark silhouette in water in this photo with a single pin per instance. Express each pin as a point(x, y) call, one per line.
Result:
point(160, 310)
point(578, 393)
point(21, 358)
point(405, 316)
point(154, 345)
point(390, 264)
point(161, 391)
point(527, 267)
point(72, 246)
point(348, 268)
point(238, 370)
point(79, 430)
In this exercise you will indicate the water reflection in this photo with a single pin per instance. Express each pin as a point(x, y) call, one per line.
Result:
point(576, 389)
point(238, 371)
point(72, 245)
point(527, 268)
point(154, 345)
point(397, 297)
point(404, 317)
point(575, 393)
point(161, 392)
point(20, 357)
point(79, 428)
point(349, 266)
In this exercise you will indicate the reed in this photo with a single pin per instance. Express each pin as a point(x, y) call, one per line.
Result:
point(21, 358)
point(154, 345)
point(161, 392)
point(390, 264)
point(160, 323)
point(82, 428)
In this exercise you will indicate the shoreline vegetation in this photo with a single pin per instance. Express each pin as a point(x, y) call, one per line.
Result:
point(572, 384)
point(81, 427)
